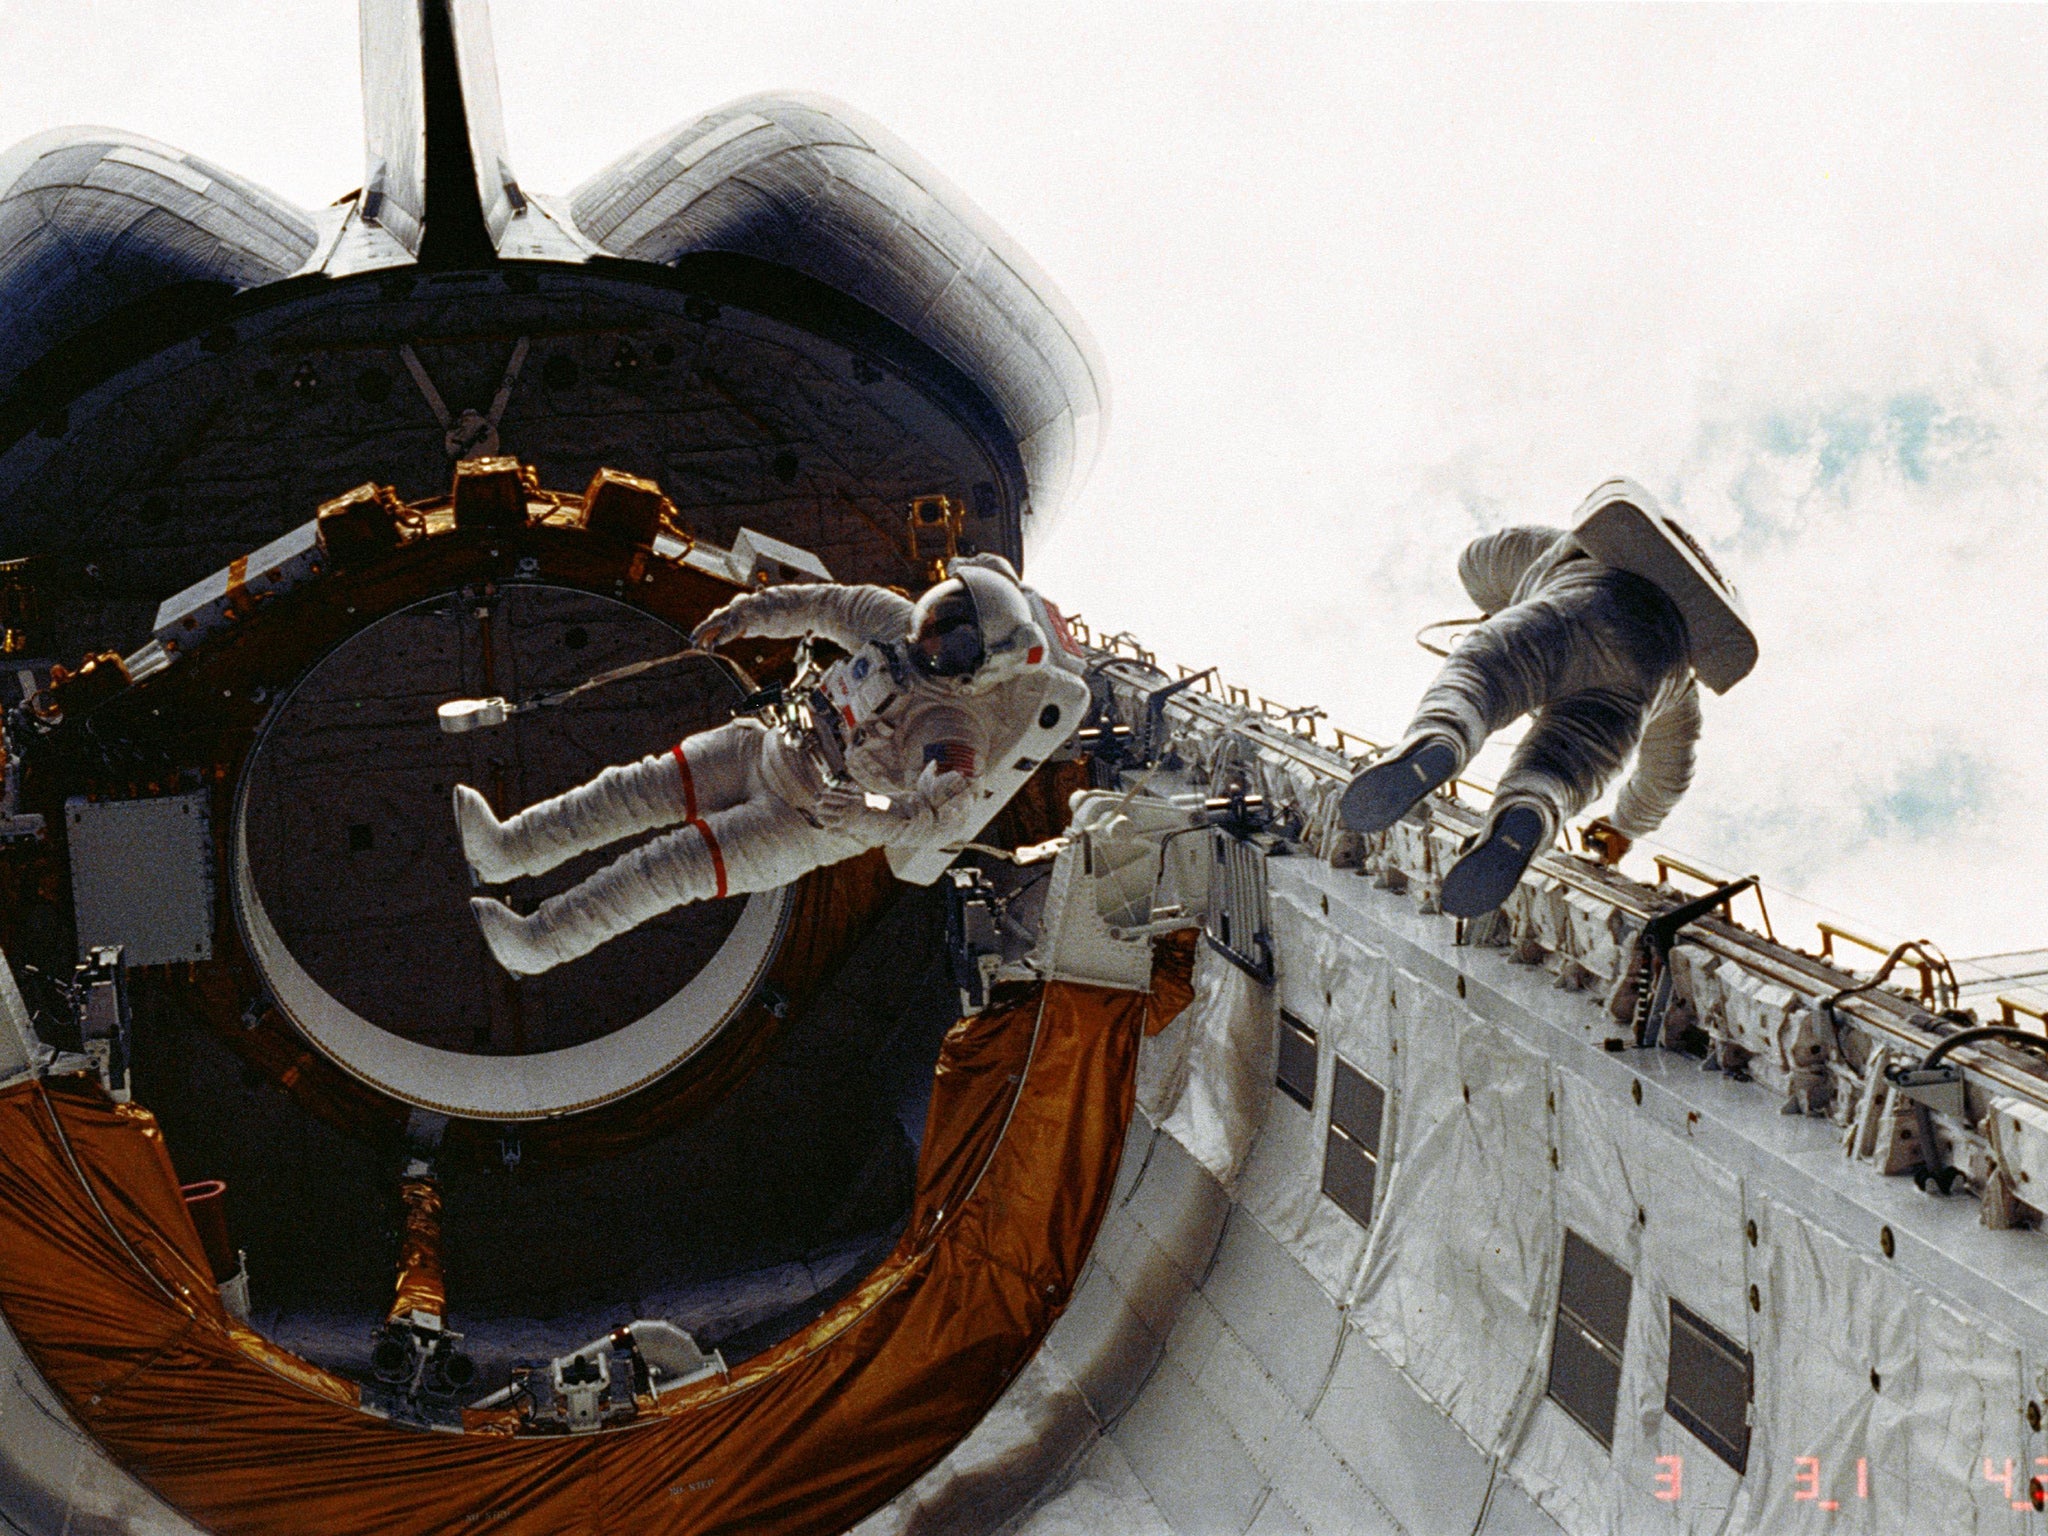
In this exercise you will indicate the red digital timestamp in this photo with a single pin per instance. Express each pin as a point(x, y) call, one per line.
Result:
point(1808, 1483)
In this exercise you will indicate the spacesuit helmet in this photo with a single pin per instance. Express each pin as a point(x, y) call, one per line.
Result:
point(974, 628)
point(945, 631)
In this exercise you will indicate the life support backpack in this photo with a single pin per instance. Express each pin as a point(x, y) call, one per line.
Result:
point(1032, 700)
point(1622, 525)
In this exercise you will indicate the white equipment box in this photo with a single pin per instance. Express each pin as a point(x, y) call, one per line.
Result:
point(142, 876)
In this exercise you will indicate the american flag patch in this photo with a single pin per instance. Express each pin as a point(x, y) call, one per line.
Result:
point(952, 757)
point(1062, 633)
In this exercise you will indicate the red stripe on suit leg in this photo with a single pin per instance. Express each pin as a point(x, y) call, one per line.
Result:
point(717, 857)
point(689, 785)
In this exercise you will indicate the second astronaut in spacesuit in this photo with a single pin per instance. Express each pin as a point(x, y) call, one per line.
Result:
point(901, 729)
point(1603, 632)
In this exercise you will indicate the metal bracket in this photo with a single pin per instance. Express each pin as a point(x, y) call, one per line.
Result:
point(1940, 1088)
point(473, 434)
point(598, 1385)
point(974, 935)
point(1149, 749)
point(99, 991)
point(1931, 1090)
point(1650, 966)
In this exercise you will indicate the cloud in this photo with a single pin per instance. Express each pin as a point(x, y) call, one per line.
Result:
point(1889, 538)
point(1930, 799)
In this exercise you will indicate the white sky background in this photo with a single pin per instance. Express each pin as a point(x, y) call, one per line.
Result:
point(1369, 282)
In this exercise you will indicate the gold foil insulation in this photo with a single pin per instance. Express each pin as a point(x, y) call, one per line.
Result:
point(422, 1285)
point(1029, 1109)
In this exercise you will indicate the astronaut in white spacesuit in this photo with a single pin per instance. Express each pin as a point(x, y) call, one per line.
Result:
point(898, 732)
point(1603, 632)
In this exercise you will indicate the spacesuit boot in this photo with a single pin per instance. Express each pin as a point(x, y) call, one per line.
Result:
point(619, 803)
point(1381, 793)
point(655, 878)
point(1489, 870)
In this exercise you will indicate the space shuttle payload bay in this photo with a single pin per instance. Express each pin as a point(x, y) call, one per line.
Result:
point(1179, 1168)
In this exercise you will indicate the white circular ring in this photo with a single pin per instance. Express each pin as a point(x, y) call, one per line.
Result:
point(544, 1086)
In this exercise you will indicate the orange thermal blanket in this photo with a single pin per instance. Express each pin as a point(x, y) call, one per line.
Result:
point(110, 1294)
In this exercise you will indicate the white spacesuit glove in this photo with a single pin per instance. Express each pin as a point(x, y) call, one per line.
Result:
point(854, 813)
point(847, 614)
point(727, 623)
point(909, 818)
point(935, 791)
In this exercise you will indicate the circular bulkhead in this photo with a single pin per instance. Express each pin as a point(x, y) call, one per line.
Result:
point(349, 884)
point(349, 1021)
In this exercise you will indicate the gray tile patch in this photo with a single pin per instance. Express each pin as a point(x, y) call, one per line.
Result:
point(1511, 1512)
point(1104, 1498)
point(1258, 1413)
point(1155, 1287)
point(1315, 1483)
point(1276, 1307)
point(1103, 1345)
point(1113, 1244)
point(1306, 1474)
point(1197, 1472)
point(1137, 1148)
point(1417, 1462)
point(1037, 1431)
point(1276, 1519)
point(1195, 1335)
point(1181, 1205)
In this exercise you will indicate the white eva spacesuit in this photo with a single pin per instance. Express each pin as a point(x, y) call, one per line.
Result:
point(1600, 631)
point(911, 743)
